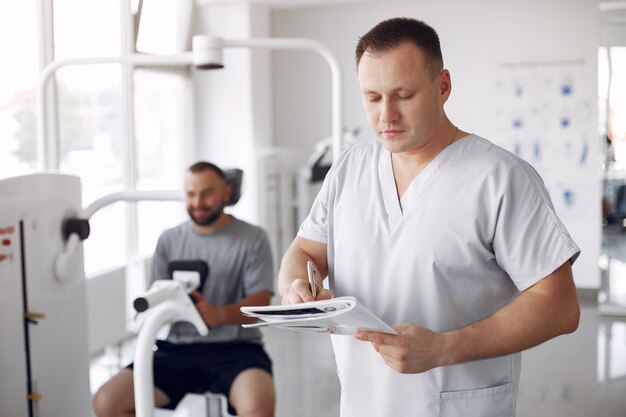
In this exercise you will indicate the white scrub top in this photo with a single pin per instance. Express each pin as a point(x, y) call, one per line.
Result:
point(474, 228)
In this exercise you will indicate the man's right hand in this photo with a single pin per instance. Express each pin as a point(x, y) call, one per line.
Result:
point(299, 291)
point(294, 268)
point(211, 314)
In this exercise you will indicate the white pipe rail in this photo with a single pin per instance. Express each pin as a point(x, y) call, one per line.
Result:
point(129, 195)
point(47, 153)
point(64, 259)
point(324, 52)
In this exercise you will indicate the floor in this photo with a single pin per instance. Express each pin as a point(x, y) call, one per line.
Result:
point(578, 375)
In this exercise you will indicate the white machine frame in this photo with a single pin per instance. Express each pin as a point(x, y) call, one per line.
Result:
point(169, 303)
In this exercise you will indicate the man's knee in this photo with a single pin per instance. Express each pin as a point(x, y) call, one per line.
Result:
point(252, 393)
point(103, 403)
point(115, 397)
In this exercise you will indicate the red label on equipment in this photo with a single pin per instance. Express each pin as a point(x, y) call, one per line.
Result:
point(9, 230)
point(6, 242)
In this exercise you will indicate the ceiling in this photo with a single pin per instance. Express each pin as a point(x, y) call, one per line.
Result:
point(283, 4)
point(613, 12)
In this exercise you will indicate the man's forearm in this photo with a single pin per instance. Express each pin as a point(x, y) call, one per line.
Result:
point(546, 310)
point(292, 266)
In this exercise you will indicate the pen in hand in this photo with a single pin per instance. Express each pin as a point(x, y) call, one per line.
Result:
point(310, 270)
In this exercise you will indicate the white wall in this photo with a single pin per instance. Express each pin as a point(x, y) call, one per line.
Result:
point(614, 35)
point(477, 38)
point(233, 105)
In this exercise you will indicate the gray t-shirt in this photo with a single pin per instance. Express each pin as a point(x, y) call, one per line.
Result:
point(240, 264)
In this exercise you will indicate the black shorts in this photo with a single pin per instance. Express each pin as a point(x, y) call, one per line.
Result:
point(201, 367)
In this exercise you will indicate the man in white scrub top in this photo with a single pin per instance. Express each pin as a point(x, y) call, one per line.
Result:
point(445, 236)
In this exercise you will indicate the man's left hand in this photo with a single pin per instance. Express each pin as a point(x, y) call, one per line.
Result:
point(413, 350)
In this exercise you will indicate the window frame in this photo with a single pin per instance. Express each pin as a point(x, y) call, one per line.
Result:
point(128, 24)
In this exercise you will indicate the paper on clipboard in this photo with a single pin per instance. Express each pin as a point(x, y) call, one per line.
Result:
point(341, 315)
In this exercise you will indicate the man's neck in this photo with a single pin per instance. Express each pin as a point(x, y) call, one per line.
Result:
point(408, 165)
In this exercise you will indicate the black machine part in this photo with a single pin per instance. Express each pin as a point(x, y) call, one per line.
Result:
point(234, 178)
point(75, 225)
point(196, 265)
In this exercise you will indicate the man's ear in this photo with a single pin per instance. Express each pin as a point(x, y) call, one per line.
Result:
point(445, 85)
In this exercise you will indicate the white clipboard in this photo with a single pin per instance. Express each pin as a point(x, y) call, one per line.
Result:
point(341, 315)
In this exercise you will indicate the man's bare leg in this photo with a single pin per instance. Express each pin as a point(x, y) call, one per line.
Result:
point(116, 398)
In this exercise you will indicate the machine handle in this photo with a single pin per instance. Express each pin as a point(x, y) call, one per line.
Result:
point(153, 297)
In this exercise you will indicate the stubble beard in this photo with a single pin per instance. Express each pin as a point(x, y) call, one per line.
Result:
point(212, 218)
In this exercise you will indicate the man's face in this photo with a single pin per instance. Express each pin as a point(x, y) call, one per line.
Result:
point(206, 194)
point(402, 97)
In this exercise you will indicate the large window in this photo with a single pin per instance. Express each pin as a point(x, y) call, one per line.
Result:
point(19, 72)
point(617, 105)
point(611, 87)
point(109, 143)
point(90, 131)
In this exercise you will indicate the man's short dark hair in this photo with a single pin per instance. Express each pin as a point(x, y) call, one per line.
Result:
point(207, 166)
point(390, 33)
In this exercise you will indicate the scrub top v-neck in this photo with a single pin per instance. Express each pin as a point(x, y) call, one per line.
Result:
point(395, 207)
point(476, 227)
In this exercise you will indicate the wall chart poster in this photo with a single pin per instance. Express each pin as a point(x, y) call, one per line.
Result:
point(545, 113)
